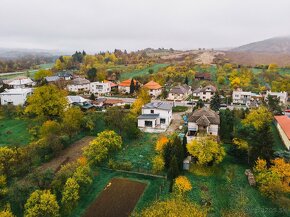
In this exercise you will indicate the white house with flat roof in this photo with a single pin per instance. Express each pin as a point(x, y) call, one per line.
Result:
point(283, 96)
point(15, 96)
point(79, 85)
point(155, 117)
point(100, 88)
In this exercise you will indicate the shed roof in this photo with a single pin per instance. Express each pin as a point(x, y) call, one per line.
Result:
point(284, 122)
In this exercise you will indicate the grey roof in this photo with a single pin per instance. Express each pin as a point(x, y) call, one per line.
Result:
point(148, 116)
point(204, 89)
point(80, 81)
point(180, 89)
point(204, 117)
point(52, 78)
point(158, 105)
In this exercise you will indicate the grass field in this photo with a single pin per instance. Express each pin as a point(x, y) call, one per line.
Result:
point(14, 132)
point(143, 72)
point(226, 188)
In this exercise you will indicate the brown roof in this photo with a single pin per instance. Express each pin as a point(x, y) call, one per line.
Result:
point(152, 85)
point(203, 75)
point(127, 83)
point(180, 89)
point(80, 81)
point(284, 122)
point(113, 101)
point(204, 117)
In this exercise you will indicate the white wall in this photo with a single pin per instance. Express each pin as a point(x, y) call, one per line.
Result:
point(15, 99)
point(100, 87)
point(77, 88)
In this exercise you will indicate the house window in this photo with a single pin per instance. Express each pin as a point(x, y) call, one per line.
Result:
point(148, 123)
point(162, 120)
point(152, 111)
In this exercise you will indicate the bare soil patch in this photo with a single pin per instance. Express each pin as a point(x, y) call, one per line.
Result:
point(68, 155)
point(118, 198)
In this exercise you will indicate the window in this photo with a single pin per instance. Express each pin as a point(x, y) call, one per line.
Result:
point(148, 123)
point(162, 120)
point(152, 111)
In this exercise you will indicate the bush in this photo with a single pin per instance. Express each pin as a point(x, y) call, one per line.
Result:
point(116, 165)
point(179, 109)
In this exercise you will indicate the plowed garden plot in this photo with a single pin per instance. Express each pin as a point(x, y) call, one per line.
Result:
point(118, 198)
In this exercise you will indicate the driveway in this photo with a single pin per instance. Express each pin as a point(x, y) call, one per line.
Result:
point(177, 121)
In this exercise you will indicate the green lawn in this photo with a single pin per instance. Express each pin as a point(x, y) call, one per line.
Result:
point(129, 75)
point(14, 132)
point(179, 109)
point(278, 144)
point(226, 188)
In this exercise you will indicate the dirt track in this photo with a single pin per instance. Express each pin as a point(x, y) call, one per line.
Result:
point(118, 199)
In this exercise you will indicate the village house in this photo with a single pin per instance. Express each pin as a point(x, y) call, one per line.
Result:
point(79, 85)
point(156, 117)
point(65, 76)
point(80, 102)
point(283, 126)
point(100, 88)
point(154, 88)
point(19, 82)
point(205, 93)
point(201, 122)
point(16, 96)
point(283, 96)
point(203, 76)
point(124, 86)
point(179, 93)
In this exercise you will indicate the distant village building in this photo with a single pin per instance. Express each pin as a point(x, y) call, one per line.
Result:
point(205, 93)
point(201, 122)
point(283, 126)
point(283, 96)
point(79, 85)
point(100, 88)
point(65, 75)
point(52, 79)
point(20, 82)
point(16, 96)
point(155, 117)
point(79, 101)
point(124, 86)
point(203, 76)
point(179, 93)
point(154, 88)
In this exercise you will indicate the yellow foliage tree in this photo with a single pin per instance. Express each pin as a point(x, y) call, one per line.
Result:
point(258, 117)
point(182, 185)
point(161, 143)
point(143, 97)
point(158, 163)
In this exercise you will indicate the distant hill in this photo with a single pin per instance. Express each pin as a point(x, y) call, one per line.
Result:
point(272, 45)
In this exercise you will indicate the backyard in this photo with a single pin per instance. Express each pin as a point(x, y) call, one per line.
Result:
point(14, 132)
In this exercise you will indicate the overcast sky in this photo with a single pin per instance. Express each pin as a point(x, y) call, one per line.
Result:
point(95, 25)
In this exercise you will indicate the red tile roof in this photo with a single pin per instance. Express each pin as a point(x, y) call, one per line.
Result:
point(152, 85)
point(127, 83)
point(284, 122)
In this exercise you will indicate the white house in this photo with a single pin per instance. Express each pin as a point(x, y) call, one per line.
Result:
point(154, 88)
point(15, 96)
point(100, 88)
point(201, 122)
point(283, 126)
point(241, 97)
point(156, 117)
point(20, 82)
point(283, 96)
point(205, 93)
point(79, 85)
point(179, 93)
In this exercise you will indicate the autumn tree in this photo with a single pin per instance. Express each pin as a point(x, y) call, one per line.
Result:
point(206, 151)
point(41, 203)
point(182, 185)
point(71, 120)
point(6, 212)
point(8, 160)
point(158, 163)
point(70, 195)
point(175, 206)
point(99, 149)
point(41, 74)
point(143, 97)
point(47, 102)
point(161, 143)
point(258, 117)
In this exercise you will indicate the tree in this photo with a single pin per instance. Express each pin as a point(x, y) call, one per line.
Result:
point(47, 102)
point(182, 185)
point(143, 97)
point(161, 143)
point(175, 206)
point(70, 195)
point(132, 86)
point(258, 117)
point(6, 213)
point(173, 170)
point(274, 105)
point(92, 97)
point(8, 160)
point(186, 81)
point(215, 102)
point(206, 151)
point(71, 120)
point(174, 148)
point(158, 163)
point(82, 176)
point(3, 186)
point(41, 74)
point(226, 125)
point(92, 74)
point(41, 203)
point(99, 149)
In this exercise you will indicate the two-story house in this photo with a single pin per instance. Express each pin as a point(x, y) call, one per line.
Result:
point(154, 88)
point(16, 96)
point(100, 88)
point(155, 117)
point(202, 122)
point(179, 93)
point(79, 85)
point(205, 93)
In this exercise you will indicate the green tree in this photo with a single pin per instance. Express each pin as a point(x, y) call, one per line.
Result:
point(215, 102)
point(206, 151)
point(47, 102)
point(226, 125)
point(132, 86)
point(83, 177)
point(71, 120)
point(70, 195)
point(41, 74)
point(92, 74)
point(41, 204)
point(274, 105)
point(8, 160)
point(186, 81)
